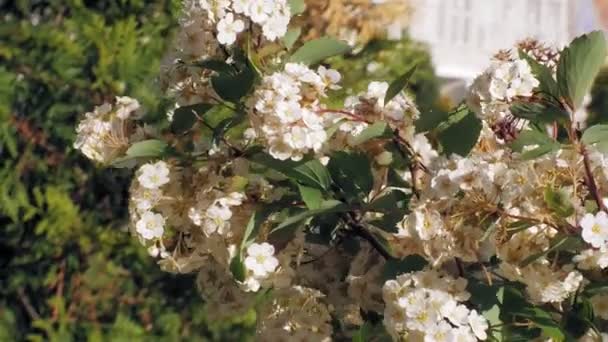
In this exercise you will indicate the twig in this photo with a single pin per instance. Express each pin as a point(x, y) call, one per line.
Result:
point(31, 311)
point(363, 233)
point(590, 180)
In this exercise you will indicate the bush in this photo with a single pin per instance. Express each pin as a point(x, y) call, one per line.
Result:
point(69, 270)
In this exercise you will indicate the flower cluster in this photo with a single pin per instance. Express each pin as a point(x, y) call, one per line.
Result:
point(507, 79)
point(108, 131)
point(427, 305)
point(232, 17)
point(310, 211)
point(287, 113)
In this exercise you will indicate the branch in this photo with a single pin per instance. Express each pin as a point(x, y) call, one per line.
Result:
point(363, 233)
point(29, 308)
point(591, 181)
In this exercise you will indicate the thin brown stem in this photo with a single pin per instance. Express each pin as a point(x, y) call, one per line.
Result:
point(591, 184)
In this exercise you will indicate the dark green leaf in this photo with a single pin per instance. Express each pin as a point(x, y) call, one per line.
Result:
point(317, 50)
point(544, 75)
point(391, 201)
point(395, 267)
point(489, 300)
point(352, 173)
point(311, 196)
point(545, 322)
point(579, 64)
point(544, 112)
point(398, 85)
point(185, 117)
point(580, 318)
point(595, 289)
point(307, 172)
point(459, 134)
point(232, 86)
point(378, 129)
point(430, 120)
point(237, 268)
point(224, 126)
point(326, 207)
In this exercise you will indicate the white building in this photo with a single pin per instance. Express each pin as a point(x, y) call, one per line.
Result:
point(464, 34)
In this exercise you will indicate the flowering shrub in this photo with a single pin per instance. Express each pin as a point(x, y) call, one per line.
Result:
point(370, 218)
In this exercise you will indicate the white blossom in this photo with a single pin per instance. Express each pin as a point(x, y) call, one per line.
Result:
point(151, 225)
point(153, 176)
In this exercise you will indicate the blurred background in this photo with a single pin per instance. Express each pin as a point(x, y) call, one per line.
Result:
point(69, 271)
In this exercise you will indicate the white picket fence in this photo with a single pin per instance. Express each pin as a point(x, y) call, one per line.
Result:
point(463, 34)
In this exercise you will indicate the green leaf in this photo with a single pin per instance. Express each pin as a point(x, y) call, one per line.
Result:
point(545, 322)
point(459, 133)
point(398, 85)
point(391, 201)
point(430, 120)
point(595, 134)
point(219, 131)
point(579, 64)
point(558, 201)
point(364, 333)
point(378, 129)
point(185, 117)
point(232, 86)
point(539, 151)
point(543, 112)
point(530, 137)
point(489, 300)
point(544, 75)
point(595, 289)
point(326, 207)
point(147, 149)
point(311, 196)
point(395, 267)
point(579, 319)
point(307, 172)
point(317, 50)
point(559, 243)
point(291, 37)
point(352, 173)
point(252, 228)
point(296, 7)
point(237, 268)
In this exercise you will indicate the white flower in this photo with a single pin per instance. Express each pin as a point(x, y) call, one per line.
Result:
point(260, 10)
point(150, 225)
point(377, 90)
point(512, 79)
point(126, 106)
point(153, 176)
point(330, 77)
point(260, 259)
point(241, 6)
point(478, 324)
point(275, 27)
point(595, 229)
point(423, 148)
point(228, 28)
